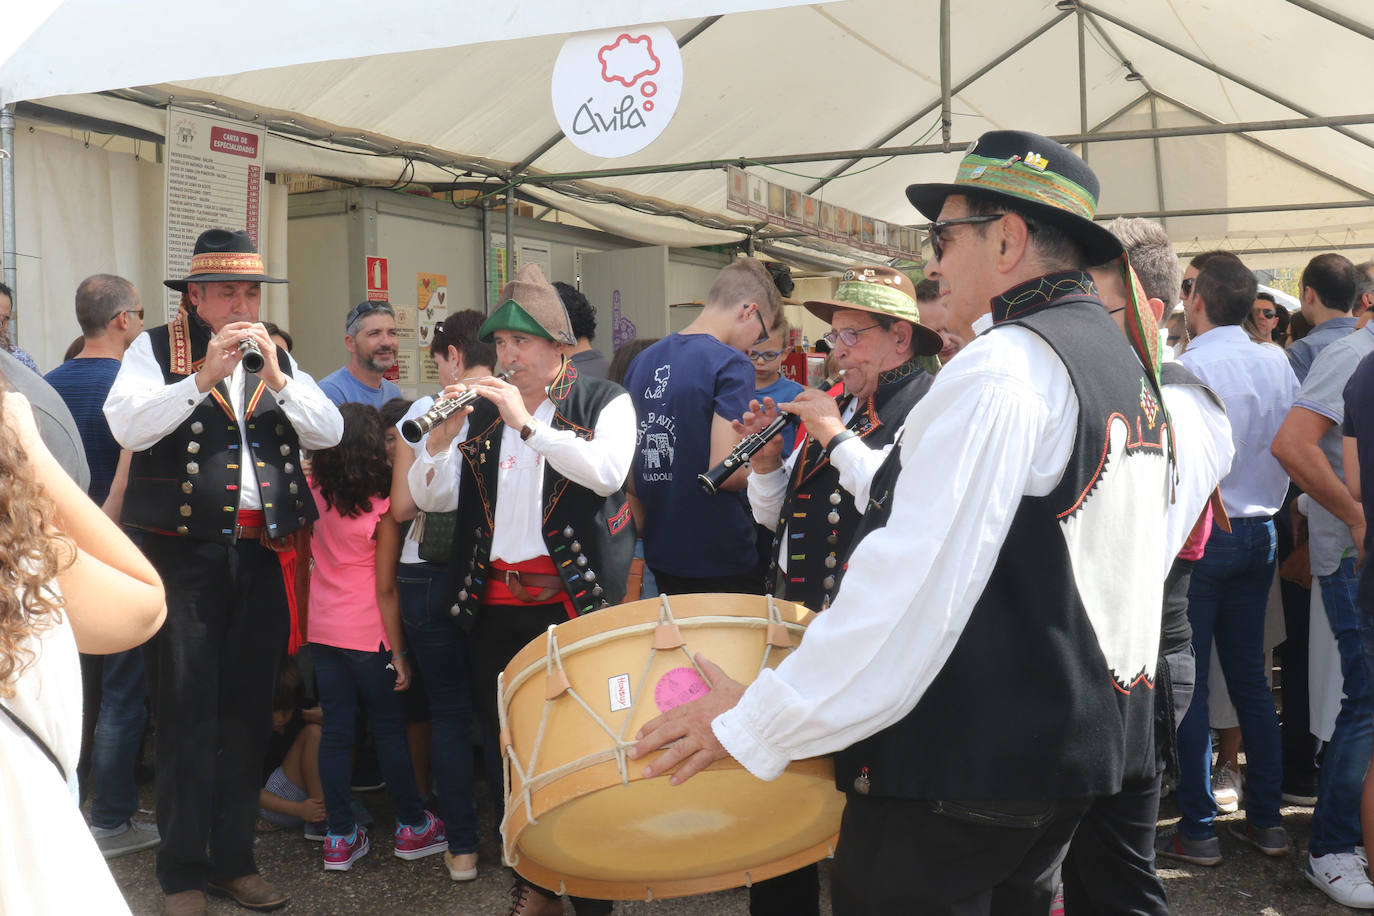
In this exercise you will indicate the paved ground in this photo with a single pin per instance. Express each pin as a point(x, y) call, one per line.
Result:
point(1246, 883)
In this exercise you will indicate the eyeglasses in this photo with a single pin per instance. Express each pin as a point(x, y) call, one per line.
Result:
point(936, 229)
point(762, 327)
point(847, 336)
point(138, 312)
point(367, 308)
point(764, 356)
point(1266, 313)
point(1188, 286)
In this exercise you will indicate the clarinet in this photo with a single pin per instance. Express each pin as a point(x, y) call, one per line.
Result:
point(414, 430)
point(252, 356)
point(741, 453)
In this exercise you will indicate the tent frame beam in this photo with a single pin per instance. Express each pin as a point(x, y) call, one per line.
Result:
point(1344, 22)
point(1298, 249)
point(1163, 213)
point(1219, 71)
point(957, 88)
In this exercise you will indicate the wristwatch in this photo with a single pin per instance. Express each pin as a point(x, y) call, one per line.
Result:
point(528, 429)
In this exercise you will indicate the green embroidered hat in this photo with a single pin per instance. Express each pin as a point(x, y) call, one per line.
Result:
point(529, 305)
point(882, 291)
point(1044, 177)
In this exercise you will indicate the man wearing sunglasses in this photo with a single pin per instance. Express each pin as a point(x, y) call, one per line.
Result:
point(370, 336)
point(111, 317)
point(988, 664)
point(1266, 314)
point(686, 389)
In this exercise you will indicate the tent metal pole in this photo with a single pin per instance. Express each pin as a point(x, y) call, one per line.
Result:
point(553, 141)
point(1188, 130)
point(946, 118)
point(510, 238)
point(1219, 71)
point(1344, 22)
point(1124, 109)
point(958, 88)
point(1300, 249)
point(1163, 213)
point(486, 256)
point(1082, 80)
point(1159, 164)
point(1286, 157)
point(7, 197)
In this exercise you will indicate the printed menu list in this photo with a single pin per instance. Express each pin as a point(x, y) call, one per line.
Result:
point(214, 176)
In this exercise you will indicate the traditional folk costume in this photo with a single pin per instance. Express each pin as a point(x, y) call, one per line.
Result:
point(989, 664)
point(544, 530)
point(214, 485)
point(814, 502)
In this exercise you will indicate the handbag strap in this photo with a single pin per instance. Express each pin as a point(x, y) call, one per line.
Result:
point(42, 745)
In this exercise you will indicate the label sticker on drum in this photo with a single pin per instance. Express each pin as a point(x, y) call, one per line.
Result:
point(620, 692)
point(681, 685)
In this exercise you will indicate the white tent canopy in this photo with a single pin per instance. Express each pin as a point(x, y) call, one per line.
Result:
point(790, 79)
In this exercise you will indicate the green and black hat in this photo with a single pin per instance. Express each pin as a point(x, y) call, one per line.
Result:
point(1045, 177)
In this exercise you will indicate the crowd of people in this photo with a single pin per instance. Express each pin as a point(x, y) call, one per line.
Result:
point(1048, 516)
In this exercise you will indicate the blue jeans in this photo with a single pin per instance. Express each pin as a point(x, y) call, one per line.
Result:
point(118, 738)
point(1336, 820)
point(444, 655)
point(342, 676)
point(1226, 601)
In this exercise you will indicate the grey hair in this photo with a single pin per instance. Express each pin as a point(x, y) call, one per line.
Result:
point(100, 298)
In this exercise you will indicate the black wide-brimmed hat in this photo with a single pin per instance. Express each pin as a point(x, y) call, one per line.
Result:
point(1046, 178)
point(223, 256)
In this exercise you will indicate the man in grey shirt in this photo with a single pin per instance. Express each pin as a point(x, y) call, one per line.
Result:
point(1328, 283)
point(1309, 447)
point(55, 423)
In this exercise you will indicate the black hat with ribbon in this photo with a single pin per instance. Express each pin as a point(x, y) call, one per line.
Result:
point(1046, 179)
point(223, 256)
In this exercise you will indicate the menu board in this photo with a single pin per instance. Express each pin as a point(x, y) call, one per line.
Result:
point(214, 180)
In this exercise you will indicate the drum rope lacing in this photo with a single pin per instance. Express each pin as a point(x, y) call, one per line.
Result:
point(777, 635)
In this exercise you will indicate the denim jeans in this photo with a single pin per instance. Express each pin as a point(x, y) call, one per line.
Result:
point(118, 738)
point(1336, 820)
point(444, 655)
point(343, 675)
point(1226, 602)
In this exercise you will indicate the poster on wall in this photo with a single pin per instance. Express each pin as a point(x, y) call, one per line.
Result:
point(213, 168)
point(528, 251)
point(498, 270)
point(615, 91)
point(377, 289)
point(407, 345)
point(432, 291)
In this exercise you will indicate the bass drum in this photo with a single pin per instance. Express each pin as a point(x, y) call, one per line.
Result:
point(581, 819)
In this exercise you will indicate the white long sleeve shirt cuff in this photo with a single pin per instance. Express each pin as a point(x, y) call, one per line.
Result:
point(998, 424)
point(600, 464)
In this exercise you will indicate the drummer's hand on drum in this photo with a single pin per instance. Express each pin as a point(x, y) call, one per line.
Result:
point(685, 731)
point(768, 458)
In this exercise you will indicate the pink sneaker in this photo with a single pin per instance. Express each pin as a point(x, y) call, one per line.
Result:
point(416, 844)
point(340, 852)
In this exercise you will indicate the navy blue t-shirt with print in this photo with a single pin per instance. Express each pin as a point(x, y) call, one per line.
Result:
point(1359, 425)
point(84, 384)
point(678, 385)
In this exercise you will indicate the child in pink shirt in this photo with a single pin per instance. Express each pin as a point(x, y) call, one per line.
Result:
point(353, 624)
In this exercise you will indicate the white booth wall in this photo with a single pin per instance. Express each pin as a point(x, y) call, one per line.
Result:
point(332, 233)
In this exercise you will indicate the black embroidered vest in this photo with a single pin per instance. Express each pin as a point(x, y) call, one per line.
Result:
point(591, 538)
point(818, 514)
point(1027, 706)
point(187, 483)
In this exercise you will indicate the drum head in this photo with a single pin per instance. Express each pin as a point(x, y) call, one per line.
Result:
point(578, 822)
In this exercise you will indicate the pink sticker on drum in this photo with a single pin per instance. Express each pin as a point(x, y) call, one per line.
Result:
point(681, 685)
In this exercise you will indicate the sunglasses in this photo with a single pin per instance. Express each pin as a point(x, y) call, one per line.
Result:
point(367, 308)
point(1187, 287)
point(1266, 313)
point(764, 356)
point(937, 229)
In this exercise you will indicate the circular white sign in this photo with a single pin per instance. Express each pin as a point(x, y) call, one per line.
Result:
point(615, 91)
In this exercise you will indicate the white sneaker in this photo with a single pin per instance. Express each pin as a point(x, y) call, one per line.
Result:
point(1342, 877)
point(1226, 789)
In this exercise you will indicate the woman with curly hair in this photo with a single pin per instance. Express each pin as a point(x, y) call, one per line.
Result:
point(357, 644)
point(69, 580)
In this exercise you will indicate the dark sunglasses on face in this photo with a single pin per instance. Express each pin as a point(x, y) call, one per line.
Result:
point(936, 229)
point(1188, 286)
point(1266, 313)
